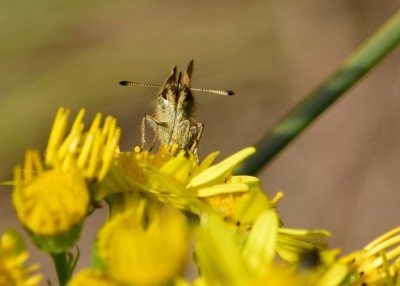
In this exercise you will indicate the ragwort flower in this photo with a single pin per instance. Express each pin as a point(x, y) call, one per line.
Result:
point(51, 196)
point(222, 201)
point(378, 263)
point(175, 177)
point(91, 277)
point(93, 150)
point(13, 256)
point(224, 258)
point(143, 246)
point(49, 202)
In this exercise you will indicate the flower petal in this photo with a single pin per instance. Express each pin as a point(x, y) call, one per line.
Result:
point(217, 173)
point(221, 189)
point(259, 250)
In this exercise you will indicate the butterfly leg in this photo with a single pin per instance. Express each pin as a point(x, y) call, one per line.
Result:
point(189, 134)
point(155, 124)
point(196, 130)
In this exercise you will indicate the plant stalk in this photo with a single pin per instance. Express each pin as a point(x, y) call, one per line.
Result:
point(360, 62)
point(62, 268)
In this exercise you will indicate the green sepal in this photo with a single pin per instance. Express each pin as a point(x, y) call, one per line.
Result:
point(350, 278)
point(58, 243)
point(94, 204)
point(97, 261)
point(19, 245)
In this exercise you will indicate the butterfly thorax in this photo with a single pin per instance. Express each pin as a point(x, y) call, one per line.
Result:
point(174, 110)
point(173, 122)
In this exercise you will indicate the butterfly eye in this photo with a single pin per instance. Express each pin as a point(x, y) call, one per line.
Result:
point(164, 93)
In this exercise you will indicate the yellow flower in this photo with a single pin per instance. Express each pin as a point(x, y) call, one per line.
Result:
point(49, 202)
point(378, 263)
point(145, 246)
point(320, 267)
point(293, 243)
point(93, 150)
point(13, 256)
point(239, 207)
point(223, 258)
point(175, 177)
point(91, 277)
point(96, 277)
point(51, 196)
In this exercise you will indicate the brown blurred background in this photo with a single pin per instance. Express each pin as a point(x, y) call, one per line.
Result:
point(342, 174)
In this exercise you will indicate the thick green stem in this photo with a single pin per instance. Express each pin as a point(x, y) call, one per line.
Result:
point(372, 51)
point(62, 268)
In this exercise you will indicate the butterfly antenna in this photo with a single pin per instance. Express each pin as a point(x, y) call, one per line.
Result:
point(132, 83)
point(217, 91)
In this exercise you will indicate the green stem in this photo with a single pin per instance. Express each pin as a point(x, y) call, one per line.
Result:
point(372, 51)
point(62, 268)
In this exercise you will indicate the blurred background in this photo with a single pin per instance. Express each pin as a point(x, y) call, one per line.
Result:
point(342, 174)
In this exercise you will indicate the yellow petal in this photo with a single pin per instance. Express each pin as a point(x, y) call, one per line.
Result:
point(291, 249)
point(217, 173)
point(57, 134)
point(252, 182)
point(221, 189)
point(259, 249)
point(179, 168)
point(250, 206)
point(137, 256)
point(205, 163)
point(91, 277)
point(218, 254)
point(383, 238)
point(334, 276)
point(305, 233)
point(53, 202)
point(166, 188)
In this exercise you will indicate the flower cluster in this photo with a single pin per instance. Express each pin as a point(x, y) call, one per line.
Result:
point(13, 256)
point(167, 212)
point(378, 263)
point(52, 196)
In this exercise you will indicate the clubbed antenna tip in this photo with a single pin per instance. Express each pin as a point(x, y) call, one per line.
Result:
point(124, 83)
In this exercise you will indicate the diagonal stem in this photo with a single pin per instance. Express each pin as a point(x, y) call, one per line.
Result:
point(362, 60)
